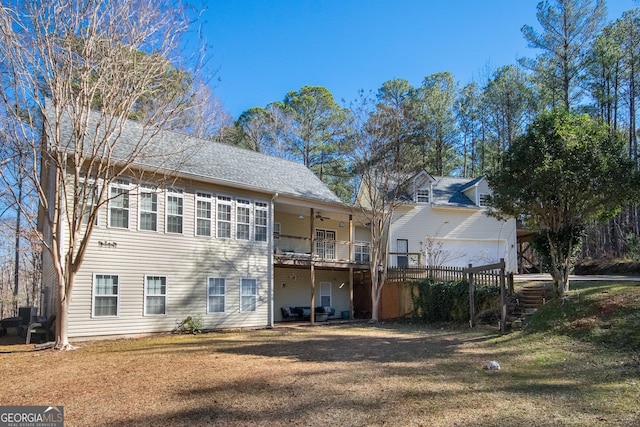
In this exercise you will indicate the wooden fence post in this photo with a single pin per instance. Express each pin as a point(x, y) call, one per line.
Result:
point(503, 297)
point(472, 299)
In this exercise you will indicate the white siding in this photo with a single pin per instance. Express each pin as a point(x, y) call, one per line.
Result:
point(186, 261)
point(470, 229)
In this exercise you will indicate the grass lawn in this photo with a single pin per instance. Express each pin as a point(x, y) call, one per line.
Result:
point(558, 372)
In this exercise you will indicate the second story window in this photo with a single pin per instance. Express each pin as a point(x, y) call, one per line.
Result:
point(90, 193)
point(423, 195)
point(148, 209)
point(261, 221)
point(243, 219)
point(119, 204)
point(175, 206)
point(203, 214)
point(224, 217)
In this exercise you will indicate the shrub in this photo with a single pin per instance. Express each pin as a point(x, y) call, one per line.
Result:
point(449, 301)
point(190, 325)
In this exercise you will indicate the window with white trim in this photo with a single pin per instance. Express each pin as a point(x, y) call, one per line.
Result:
point(483, 199)
point(243, 219)
point(325, 244)
point(277, 227)
point(261, 218)
point(155, 295)
point(216, 294)
point(203, 214)
point(90, 200)
point(106, 291)
point(248, 295)
point(223, 222)
point(175, 210)
point(148, 209)
point(423, 195)
point(119, 203)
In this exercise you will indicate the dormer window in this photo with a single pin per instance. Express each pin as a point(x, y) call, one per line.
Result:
point(423, 195)
point(483, 199)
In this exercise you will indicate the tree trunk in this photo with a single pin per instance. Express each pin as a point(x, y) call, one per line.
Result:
point(376, 292)
point(65, 285)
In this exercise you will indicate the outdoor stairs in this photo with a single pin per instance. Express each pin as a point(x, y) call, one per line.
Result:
point(530, 299)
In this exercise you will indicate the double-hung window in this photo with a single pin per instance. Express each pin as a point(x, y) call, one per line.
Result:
point(175, 210)
point(482, 199)
point(223, 222)
point(105, 295)
point(155, 295)
point(87, 200)
point(243, 219)
point(216, 291)
point(248, 295)
point(148, 208)
point(119, 204)
point(203, 214)
point(261, 221)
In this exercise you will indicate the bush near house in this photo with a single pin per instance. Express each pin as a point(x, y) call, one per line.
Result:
point(449, 301)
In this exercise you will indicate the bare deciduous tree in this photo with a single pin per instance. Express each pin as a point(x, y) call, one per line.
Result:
point(74, 74)
point(384, 161)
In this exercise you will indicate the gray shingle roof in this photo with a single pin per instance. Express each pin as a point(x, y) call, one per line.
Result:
point(247, 168)
point(448, 191)
point(211, 161)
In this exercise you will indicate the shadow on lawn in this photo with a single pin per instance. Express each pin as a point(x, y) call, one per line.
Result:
point(315, 345)
point(302, 401)
point(419, 368)
point(324, 348)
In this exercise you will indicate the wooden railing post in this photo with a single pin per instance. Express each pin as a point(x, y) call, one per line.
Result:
point(503, 297)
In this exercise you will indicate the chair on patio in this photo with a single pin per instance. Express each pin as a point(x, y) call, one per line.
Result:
point(41, 329)
point(20, 322)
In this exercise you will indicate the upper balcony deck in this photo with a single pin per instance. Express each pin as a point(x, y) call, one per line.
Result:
point(297, 251)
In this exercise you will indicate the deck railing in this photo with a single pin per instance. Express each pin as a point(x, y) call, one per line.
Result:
point(294, 247)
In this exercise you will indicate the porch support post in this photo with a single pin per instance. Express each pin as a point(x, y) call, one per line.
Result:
point(312, 314)
point(350, 293)
point(351, 259)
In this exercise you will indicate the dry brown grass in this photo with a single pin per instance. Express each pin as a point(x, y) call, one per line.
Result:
point(346, 375)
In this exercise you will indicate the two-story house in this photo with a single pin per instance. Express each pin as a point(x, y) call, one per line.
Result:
point(229, 235)
point(443, 221)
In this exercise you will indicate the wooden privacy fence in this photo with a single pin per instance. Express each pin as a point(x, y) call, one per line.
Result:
point(485, 275)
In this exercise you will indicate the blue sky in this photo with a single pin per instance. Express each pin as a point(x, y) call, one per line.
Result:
point(263, 49)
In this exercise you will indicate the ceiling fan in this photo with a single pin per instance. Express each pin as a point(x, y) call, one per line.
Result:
point(320, 217)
